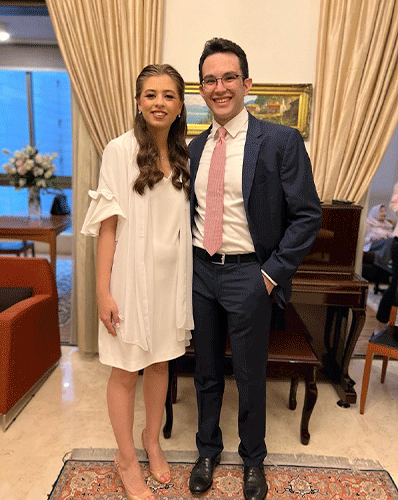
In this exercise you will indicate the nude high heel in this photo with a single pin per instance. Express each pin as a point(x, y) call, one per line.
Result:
point(148, 494)
point(159, 473)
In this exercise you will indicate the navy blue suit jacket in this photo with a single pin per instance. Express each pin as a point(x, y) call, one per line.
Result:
point(281, 203)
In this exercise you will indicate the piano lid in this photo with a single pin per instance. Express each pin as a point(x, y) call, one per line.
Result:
point(336, 243)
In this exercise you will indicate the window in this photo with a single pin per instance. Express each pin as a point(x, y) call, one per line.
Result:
point(35, 107)
point(14, 125)
point(52, 117)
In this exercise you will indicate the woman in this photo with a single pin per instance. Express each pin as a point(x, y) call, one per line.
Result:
point(140, 214)
point(378, 236)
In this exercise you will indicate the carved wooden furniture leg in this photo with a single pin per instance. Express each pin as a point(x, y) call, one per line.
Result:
point(293, 392)
point(365, 379)
point(311, 395)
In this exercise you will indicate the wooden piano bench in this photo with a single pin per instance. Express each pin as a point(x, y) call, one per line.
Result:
point(290, 354)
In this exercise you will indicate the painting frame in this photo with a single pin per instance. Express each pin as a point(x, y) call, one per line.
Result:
point(289, 104)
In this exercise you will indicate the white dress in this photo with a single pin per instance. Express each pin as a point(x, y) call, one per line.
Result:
point(152, 269)
point(163, 243)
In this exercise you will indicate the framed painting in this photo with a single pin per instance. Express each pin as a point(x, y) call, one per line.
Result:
point(285, 104)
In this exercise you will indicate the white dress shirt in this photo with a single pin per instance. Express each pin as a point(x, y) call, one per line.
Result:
point(236, 235)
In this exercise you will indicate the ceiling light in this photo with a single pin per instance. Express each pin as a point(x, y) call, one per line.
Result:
point(4, 35)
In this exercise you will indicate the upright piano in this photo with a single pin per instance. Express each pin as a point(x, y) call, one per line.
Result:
point(331, 298)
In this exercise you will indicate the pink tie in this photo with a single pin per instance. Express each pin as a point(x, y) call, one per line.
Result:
point(212, 239)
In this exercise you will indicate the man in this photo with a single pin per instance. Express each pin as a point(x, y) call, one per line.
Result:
point(270, 215)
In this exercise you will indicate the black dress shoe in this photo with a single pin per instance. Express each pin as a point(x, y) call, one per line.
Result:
point(202, 474)
point(254, 483)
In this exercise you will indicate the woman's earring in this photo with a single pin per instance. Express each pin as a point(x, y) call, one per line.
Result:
point(140, 112)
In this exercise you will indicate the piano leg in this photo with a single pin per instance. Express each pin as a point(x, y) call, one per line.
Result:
point(335, 325)
point(339, 348)
point(357, 323)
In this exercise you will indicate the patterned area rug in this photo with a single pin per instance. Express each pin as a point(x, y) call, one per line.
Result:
point(81, 479)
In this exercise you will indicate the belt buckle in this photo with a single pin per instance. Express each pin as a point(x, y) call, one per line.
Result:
point(222, 260)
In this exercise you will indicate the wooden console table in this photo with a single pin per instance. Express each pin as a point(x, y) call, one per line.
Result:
point(13, 227)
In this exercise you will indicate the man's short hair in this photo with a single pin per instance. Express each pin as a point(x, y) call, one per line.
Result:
point(217, 45)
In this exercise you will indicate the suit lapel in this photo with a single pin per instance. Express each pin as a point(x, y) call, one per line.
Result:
point(252, 148)
point(196, 149)
point(251, 151)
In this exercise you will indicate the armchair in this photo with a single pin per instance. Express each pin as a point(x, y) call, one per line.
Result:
point(384, 344)
point(29, 334)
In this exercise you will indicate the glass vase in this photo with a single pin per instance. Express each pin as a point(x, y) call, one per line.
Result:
point(34, 203)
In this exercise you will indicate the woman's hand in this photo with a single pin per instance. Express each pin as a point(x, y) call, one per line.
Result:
point(108, 313)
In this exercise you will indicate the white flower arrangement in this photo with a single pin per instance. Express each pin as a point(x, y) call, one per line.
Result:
point(29, 168)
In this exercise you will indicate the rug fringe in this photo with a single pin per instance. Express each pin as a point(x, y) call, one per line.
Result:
point(304, 460)
point(322, 461)
point(67, 456)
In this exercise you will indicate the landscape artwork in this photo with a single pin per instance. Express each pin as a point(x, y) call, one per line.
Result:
point(284, 104)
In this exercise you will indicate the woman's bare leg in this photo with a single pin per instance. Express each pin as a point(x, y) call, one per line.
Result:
point(121, 398)
point(155, 384)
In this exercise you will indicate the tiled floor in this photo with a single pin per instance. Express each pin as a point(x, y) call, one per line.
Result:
point(70, 412)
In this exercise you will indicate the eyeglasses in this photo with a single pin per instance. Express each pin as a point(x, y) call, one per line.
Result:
point(228, 80)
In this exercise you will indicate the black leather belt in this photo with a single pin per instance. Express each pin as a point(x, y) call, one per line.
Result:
point(222, 258)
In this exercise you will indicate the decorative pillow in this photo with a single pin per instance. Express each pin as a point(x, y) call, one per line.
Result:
point(11, 295)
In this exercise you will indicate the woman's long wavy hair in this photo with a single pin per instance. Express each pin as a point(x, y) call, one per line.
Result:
point(148, 152)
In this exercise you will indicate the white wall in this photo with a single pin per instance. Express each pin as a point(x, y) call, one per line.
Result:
point(278, 36)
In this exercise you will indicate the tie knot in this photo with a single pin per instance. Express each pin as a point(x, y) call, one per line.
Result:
point(221, 133)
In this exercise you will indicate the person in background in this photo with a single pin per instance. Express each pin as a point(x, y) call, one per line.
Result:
point(394, 207)
point(144, 266)
point(255, 214)
point(389, 297)
point(378, 236)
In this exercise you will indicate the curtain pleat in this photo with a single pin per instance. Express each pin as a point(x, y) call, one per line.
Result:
point(86, 163)
point(104, 44)
point(356, 91)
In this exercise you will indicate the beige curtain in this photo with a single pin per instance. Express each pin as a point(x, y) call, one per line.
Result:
point(104, 44)
point(356, 95)
point(86, 162)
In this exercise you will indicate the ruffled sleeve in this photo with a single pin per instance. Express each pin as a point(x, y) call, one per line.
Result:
point(103, 205)
point(111, 196)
